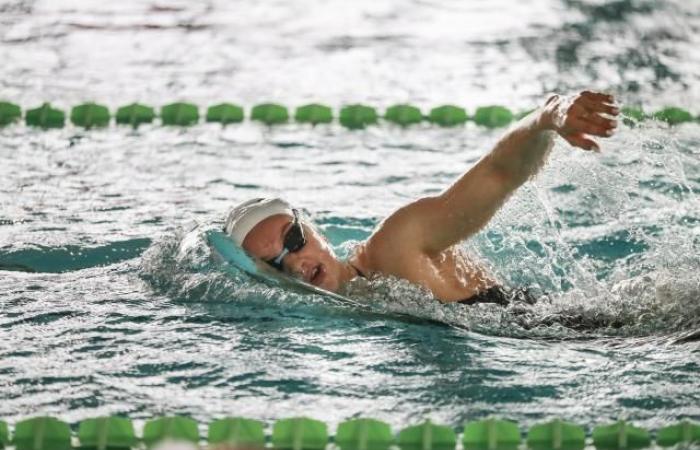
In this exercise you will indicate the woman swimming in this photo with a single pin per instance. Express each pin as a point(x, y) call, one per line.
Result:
point(418, 242)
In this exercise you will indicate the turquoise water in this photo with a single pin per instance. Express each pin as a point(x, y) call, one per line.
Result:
point(111, 302)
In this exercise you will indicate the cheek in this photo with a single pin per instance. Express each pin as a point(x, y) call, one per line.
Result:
point(325, 247)
point(317, 246)
point(326, 255)
point(329, 256)
point(257, 250)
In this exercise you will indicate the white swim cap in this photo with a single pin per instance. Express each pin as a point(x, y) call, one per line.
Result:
point(243, 217)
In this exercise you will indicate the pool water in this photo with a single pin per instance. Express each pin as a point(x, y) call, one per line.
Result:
point(112, 304)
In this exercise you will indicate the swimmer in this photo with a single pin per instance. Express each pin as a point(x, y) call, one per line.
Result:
point(419, 241)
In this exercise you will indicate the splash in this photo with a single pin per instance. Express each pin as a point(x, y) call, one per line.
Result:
point(609, 242)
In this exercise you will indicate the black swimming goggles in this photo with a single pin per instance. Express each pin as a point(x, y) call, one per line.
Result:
point(294, 240)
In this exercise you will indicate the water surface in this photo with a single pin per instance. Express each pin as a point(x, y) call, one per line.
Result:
point(111, 303)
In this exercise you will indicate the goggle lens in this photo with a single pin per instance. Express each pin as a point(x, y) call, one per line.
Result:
point(294, 240)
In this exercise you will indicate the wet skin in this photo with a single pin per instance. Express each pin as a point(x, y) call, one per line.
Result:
point(419, 242)
point(315, 263)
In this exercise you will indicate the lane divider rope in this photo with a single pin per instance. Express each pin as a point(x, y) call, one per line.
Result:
point(302, 433)
point(355, 116)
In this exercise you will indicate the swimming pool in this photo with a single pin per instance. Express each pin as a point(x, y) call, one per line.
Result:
point(111, 303)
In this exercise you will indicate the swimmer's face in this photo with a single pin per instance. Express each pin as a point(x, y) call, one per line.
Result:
point(315, 262)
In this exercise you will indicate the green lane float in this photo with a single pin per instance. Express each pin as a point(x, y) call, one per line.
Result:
point(673, 115)
point(632, 114)
point(491, 434)
point(493, 116)
point(299, 433)
point(89, 115)
point(175, 428)
point(556, 435)
point(237, 431)
point(403, 115)
point(357, 117)
point(4, 435)
point(270, 113)
point(427, 436)
point(620, 436)
point(225, 113)
point(314, 114)
point(448, 115)
point(45, 117)
point(182, 114)
point(135, 114)
point(353, 116)
point(363, 434)
point(9, 112)
point(42, 433)
point(102, 433)
point(685, 432)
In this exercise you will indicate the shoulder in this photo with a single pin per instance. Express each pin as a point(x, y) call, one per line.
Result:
point(407, 226)
point(396, 246)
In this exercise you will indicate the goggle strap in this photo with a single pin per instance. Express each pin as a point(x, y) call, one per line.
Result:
point(281, 256)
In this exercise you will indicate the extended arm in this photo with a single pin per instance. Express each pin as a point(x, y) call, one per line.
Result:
point(466, 206)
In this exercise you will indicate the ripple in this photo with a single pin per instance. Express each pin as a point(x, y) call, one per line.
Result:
point(69, 258)
point(105, 310)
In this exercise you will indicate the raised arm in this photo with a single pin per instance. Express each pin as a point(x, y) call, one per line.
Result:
point(439, 222)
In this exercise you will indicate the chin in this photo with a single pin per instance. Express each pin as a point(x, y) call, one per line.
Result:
point(329, 285)
point(332, 284)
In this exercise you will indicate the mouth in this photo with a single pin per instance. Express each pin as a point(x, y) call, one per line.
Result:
point(317, 275)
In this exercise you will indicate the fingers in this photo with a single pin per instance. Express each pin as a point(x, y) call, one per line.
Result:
point(597, 120)
point(583, 125)
point(597, 96)
point(579, 140)
point(588, 114)
point(598, 106)
point(592, 117)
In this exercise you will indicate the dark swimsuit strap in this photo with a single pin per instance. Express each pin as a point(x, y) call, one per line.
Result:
point(494, 294)
point(502, 296)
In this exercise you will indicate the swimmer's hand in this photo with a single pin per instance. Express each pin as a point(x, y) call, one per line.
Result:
point(578, 117)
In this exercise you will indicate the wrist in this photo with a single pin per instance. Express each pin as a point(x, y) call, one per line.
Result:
point(546, 114)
